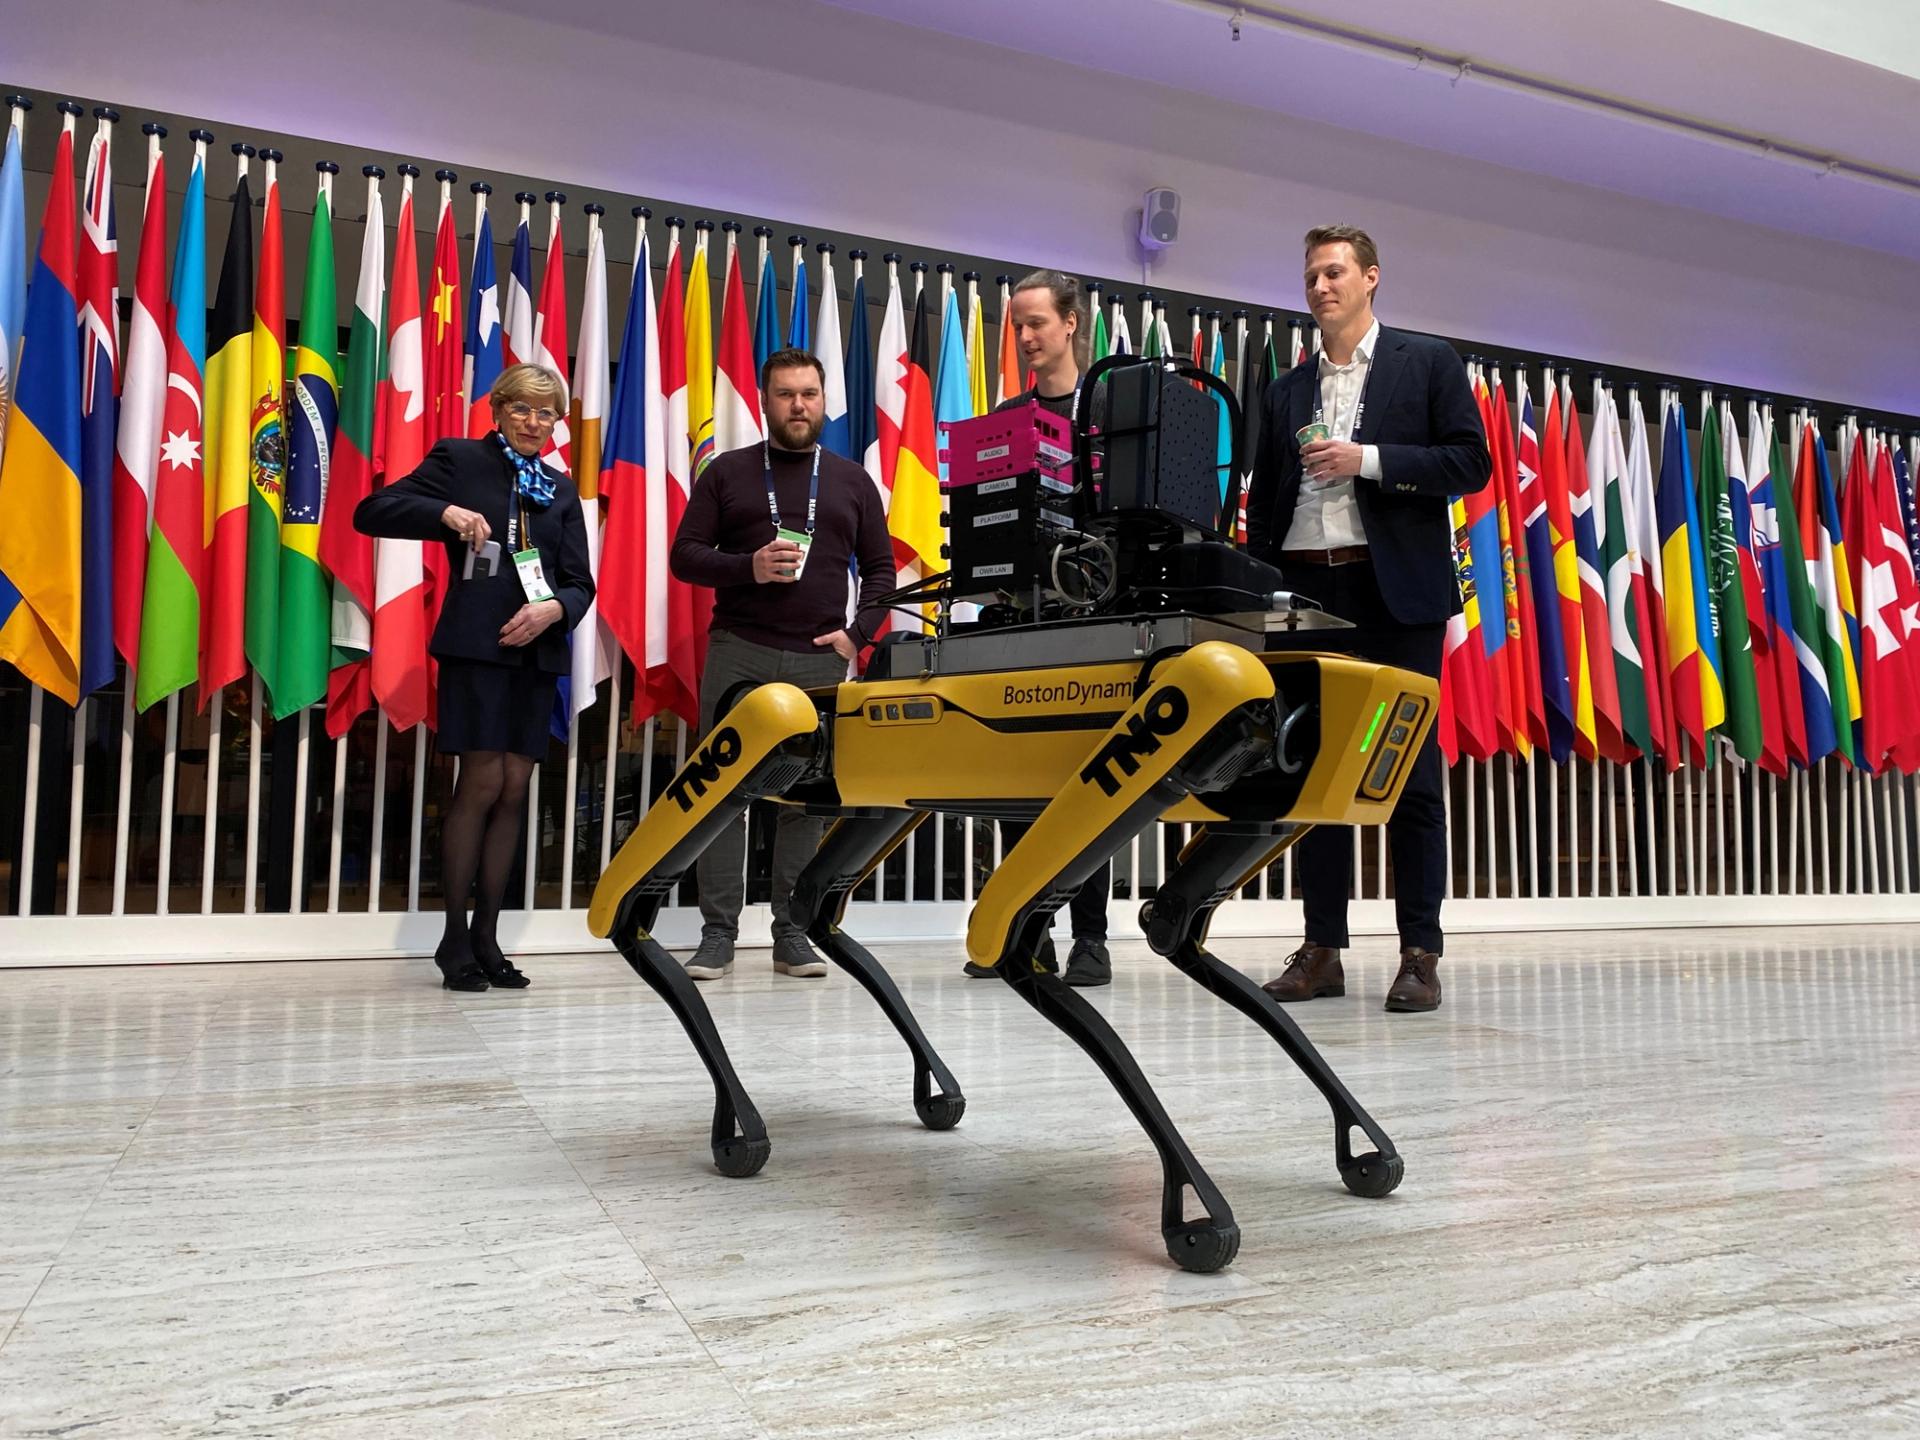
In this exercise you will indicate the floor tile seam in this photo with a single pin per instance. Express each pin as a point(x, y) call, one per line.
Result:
point(667, 1295)
point(159, 1098)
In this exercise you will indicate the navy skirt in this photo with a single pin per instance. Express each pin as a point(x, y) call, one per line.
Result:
point(495, 707)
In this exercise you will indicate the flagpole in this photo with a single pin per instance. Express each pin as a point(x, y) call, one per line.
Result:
point(169, 765)
point(379, 809)
point(337, 821)
point(31, 801)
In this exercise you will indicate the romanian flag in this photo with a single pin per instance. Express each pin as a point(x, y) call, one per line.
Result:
point(482, 343)
point(344, 550)
point(737, 422)
point(301, 677)
point(268, 452)
point(223, 620)
point(99, 299)
point(699, 353)
point(40, 474)
point(143, 401)
point(402, 682)
point(1698, 703)
point(177, 556)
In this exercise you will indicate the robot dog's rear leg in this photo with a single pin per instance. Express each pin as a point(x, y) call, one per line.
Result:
point(740, 1144)
point(1215, 864)
point(847, 854)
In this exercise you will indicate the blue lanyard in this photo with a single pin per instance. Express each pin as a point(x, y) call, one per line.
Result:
point(813, 487)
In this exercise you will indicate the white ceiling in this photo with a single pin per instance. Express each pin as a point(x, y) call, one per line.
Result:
point(1670, 57)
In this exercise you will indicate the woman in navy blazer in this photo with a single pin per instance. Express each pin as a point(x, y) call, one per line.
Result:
point(501, 640)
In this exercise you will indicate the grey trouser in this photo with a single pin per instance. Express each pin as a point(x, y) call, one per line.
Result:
point(796, 835)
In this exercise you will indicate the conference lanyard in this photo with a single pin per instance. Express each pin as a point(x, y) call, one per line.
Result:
point(813, 487)
point(518, 522)
point(1359, 405)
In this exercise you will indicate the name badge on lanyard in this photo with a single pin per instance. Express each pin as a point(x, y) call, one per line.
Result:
point(526, 563)
point(802, 538)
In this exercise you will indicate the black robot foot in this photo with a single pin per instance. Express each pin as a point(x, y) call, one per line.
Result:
point(1372, 1175)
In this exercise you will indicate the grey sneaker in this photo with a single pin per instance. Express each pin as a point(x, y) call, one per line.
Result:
point(793, 955)
point(712, 960)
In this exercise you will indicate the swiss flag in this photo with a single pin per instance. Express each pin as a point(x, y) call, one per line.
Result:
point(1889, 608)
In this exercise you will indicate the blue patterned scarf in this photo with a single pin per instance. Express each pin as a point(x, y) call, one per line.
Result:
point(529, 474)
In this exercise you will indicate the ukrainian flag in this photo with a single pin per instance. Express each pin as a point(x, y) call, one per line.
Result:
point(40, 473)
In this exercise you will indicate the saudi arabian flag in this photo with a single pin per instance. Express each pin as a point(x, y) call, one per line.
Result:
point(1728, 602)
point(305, 596)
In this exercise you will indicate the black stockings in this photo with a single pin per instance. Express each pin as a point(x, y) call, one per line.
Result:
point(478, 841)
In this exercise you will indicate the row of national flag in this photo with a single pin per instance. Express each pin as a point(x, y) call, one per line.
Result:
point(192, 480)
point(1630, 590)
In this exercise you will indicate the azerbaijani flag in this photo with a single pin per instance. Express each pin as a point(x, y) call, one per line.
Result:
point(177, 555)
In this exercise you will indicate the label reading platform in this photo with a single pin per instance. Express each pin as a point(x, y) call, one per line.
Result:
point(995, 517)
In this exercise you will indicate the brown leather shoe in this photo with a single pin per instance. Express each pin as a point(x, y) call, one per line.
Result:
point(1417, 986)
point(1312, 971)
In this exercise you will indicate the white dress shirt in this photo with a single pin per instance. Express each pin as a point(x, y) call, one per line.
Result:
point(1326, 515)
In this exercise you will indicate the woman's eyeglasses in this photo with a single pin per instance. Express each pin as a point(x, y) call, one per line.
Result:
point(520, 410)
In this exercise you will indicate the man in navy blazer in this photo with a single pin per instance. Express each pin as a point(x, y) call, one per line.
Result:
point(1362, 448)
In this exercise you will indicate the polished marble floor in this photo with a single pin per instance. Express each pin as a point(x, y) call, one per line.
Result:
point(1658, 1185)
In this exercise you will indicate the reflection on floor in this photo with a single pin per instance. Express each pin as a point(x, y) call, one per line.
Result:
point(1657, 1185)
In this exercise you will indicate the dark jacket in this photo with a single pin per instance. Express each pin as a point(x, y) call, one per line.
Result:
point(476, 475)
point(1421, 413)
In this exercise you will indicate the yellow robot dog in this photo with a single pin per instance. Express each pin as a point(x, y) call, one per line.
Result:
point(1094, 726)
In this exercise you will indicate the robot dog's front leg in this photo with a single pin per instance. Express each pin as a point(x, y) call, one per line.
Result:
point(760, 747)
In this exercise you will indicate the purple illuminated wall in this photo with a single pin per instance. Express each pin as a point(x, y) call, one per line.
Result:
point(826, 118)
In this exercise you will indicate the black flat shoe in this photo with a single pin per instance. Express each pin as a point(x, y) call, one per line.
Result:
point(496, 967)
point(458, 969)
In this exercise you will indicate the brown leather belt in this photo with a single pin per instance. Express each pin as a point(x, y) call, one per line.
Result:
point(1336, 555)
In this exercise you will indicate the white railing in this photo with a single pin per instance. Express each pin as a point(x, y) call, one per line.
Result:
point(183, 835)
